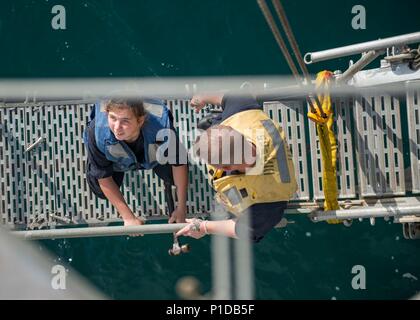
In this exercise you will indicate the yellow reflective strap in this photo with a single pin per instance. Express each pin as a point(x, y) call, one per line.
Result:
point(328, 145)
point(316, 117)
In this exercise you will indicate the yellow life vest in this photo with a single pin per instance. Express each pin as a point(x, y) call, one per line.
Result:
point(272, 178)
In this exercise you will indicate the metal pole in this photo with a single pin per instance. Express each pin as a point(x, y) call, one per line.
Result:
point(359, 65)
point(221, 268)
point(244, 271)
point(98, 231)
point(221, 261)
point(368, 212)
point(169, 89)
point(92, 89)
point(381, 44)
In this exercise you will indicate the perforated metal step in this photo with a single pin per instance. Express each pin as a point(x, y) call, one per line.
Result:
point(413, 115)
point(379, 145)
point(291, 116)
point(200, 194)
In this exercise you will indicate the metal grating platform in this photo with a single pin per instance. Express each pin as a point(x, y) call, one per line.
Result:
point(290, 115)
point(13, 187)
point(379, 145)
point(200, 194)
point(46, 186)
point(345, 163)
point(413, 115)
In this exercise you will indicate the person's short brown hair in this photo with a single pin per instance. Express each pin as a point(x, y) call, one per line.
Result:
point(134, 105)
point(217, 146)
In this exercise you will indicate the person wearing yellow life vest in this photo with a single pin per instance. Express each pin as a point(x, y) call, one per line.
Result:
point(258, 182)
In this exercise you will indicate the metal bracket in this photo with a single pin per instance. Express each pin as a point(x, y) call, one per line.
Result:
point(35, 144)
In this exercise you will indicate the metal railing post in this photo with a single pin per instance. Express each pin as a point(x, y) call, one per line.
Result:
point(381, 44)
point(98, 231)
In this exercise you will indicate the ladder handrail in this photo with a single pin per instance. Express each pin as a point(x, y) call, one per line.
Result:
point(98, 231)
